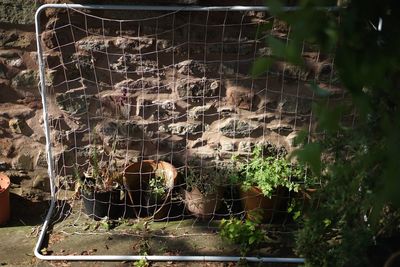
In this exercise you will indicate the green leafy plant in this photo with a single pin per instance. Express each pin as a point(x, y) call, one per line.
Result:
point(141, 263)
point(246, 233)
point(294, 208)
point(268, 173)
point(358, 165)
point(157, 185)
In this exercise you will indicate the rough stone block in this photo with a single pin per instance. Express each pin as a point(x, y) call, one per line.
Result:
point(26, 78)
point(234, 127)
point(19, 126)
point(93, 44)
point(145, 85)
point(41, 182)
point(183, 128)
point(294, 105)
point(199, 111)
point(137, 44)
point(73, 101)
point(191, 67)
point(18, 11)
point(245, 146)
point(240, 96)
point(227, 145)
point(24, 161)
point(41, 160)
point(198, 87)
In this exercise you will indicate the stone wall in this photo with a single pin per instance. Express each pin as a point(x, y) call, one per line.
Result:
point(194, 97)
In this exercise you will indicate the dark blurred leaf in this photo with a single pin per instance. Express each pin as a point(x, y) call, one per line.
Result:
point(310, 154)
point(278, 46)
point(301, 138)
point(260, 66)
point(275, 6)
point(328, 117)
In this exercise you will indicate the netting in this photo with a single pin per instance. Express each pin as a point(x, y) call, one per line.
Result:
point(151, 114)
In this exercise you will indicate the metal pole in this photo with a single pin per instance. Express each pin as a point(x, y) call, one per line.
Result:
point(49, 150)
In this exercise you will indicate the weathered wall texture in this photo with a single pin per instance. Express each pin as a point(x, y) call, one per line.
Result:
point(194, 97)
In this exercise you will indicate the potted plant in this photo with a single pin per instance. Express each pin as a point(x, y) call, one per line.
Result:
point(100, 189)
point(149, 185)
point(4, 198)
point(263, 181)
point(204, 190)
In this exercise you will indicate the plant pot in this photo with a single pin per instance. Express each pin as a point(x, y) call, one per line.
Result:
point(305, 196)
point(200, 205)
point(254, 201)
point(136, 182)
point(99, 204)
point(4, 198)
point(393, 260)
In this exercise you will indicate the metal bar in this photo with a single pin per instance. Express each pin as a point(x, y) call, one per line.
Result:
point(171, 258)
point(37, 249)
point(174, 8)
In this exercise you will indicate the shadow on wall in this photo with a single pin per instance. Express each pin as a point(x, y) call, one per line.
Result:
point(25, 212)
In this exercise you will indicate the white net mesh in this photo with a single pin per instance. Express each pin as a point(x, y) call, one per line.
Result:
point(147, 110)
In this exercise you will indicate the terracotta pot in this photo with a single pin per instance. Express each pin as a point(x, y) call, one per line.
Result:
point(202, 206)
point(254, 200)
point(393, 260)
point(136, 182)
point(305, 195)
point(4, 198)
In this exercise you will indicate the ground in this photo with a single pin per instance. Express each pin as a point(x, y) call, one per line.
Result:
point(130, 238)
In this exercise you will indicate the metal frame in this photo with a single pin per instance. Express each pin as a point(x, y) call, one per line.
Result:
point(37, 249)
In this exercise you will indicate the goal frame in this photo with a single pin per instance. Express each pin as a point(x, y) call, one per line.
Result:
point(51, 172)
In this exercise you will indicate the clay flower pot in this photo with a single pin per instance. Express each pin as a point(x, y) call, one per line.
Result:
point(202, 205)
point(99, 204)
point(253, 200)
point(136, 182)
point(4, 198)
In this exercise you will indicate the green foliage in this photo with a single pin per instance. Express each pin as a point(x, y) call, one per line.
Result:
point(358, 166)
point(294, 209)
point(141, 263)
point(247, 233)
point(268, 173)
point(157, 185)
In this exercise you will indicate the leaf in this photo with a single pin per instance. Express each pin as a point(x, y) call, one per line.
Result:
point(278, 46)
point(252, 239)
point(296, 215)
point(260, 66)
point(275, 7)
point(310, 154)
point(328, 117)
